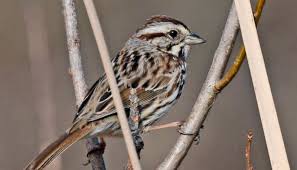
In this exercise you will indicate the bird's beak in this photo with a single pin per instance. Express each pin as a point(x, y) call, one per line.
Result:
point(193, 39)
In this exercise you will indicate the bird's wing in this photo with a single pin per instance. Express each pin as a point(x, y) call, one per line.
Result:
point(131, 70)
point(107, 108)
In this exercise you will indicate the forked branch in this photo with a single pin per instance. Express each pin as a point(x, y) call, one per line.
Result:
point(208, 92)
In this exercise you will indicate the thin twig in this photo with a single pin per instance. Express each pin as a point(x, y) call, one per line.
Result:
point(230, 74)
point(206, 97)
point(94, 147)
point(248, 147)
point(99, 37)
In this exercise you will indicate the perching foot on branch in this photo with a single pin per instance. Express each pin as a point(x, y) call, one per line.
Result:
point(139, 144)
point(197, 135)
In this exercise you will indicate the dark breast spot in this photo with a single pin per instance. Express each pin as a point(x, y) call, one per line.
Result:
point(136, 57)
point(151, 61)
point(168, 66)
point(147, 55)
point(134, 66)
point(116, 59)
point(124, 66)
point(156, 71)
point(183, 71)
point(115, 71)
point(135, 83)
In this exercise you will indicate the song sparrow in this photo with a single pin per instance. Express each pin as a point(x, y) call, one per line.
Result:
point(153, 63)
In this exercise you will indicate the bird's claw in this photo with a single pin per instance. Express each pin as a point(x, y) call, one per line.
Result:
point(197, 135)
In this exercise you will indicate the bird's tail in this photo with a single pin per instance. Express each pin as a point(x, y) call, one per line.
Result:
point(56, 148)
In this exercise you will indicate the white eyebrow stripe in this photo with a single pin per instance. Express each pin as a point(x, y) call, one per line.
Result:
point(163, 27)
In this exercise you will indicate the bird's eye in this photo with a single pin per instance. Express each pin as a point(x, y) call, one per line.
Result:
point(172, 33)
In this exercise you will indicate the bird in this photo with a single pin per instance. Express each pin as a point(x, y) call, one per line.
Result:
point(153, 64)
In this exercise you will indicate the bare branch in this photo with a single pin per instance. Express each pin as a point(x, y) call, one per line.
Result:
point(230, 74)
point(208, 92)
point(190, 129)
point(99, 37)
point(73, 42)
point(206, 97)
point(249, 165)
point(94, 147)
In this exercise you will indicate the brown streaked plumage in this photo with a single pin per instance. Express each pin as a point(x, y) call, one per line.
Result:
point(153, 61)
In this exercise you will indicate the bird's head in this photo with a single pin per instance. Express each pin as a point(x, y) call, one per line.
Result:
point(169, 35)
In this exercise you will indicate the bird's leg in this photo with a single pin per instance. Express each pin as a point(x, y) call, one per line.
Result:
point(134, 121)
point(172, 125)
point(163, 126)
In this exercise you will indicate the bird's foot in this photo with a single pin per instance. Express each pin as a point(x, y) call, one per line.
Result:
point(196, 134)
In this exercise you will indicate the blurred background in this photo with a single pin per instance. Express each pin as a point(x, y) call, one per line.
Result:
point(37, 97)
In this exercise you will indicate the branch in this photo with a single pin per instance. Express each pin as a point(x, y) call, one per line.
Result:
point(206, 97)
point(99, 37)
point(228, 77)
point(190, 129)
point(249, 165)
point(94, 147)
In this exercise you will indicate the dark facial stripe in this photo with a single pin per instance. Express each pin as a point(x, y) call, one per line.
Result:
point(181, 52)
point(151, 36)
